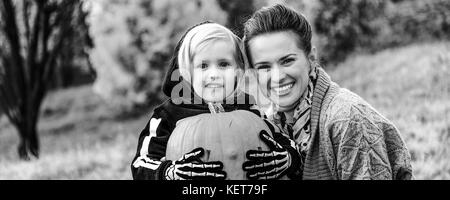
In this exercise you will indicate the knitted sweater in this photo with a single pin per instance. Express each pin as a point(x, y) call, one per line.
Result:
point(350, 139)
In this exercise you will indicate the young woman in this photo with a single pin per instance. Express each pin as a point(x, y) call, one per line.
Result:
point(337, 134)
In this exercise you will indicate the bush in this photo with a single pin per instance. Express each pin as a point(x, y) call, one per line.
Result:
point(133, 41)
point(417, 20)
point(237, 13)
point(347, 26)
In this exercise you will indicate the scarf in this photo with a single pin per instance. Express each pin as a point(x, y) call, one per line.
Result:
point(300, 129)
point(215, 108)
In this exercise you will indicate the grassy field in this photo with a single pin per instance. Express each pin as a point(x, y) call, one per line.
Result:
point(82, 138)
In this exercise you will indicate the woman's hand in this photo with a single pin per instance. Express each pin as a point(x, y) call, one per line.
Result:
point(190, 167)
point(281, 159)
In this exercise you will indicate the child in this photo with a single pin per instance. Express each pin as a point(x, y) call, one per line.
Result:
point(210, 61)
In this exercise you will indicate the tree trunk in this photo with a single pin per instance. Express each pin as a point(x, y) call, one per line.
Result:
point(23, 145)
point(29, 142)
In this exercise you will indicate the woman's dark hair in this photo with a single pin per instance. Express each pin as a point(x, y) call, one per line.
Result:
point(275, 19)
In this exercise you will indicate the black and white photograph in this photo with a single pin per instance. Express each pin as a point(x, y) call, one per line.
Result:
point(215, 90)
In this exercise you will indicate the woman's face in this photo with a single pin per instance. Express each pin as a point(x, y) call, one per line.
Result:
point(282, 67)
point(214, 73)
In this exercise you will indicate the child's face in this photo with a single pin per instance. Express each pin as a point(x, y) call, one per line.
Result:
point(214, 73)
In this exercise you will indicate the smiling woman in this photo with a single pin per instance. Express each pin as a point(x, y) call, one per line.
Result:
point(282, 67)
point(337, 134)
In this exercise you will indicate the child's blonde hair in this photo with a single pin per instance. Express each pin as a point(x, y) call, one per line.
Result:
point(202, 35)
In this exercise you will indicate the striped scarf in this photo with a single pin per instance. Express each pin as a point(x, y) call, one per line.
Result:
point(301, 126)
point(215, 107)
point(300, 129)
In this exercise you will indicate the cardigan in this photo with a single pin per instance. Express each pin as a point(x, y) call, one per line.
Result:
point(350, 139)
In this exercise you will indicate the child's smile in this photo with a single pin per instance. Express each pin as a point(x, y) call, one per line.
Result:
point(213, 85)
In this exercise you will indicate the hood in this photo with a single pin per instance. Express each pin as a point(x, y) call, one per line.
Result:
point(173, 82)
point(168, 83)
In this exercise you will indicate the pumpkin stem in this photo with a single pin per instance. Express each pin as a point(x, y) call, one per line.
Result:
point(207, 153)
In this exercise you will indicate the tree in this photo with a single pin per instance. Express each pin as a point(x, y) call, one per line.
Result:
point(348, 25)
point(32, 36)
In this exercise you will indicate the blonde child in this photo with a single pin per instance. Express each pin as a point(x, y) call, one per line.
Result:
point(206, 69)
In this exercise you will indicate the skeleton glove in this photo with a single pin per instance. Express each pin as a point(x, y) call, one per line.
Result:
point(282, 159)
point(190, 167)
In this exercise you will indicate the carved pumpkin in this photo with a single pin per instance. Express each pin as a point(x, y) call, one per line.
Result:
point(225, 137)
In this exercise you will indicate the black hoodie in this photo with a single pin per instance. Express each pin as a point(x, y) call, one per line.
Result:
point(153, 139)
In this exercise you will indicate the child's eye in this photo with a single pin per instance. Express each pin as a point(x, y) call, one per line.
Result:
point(203, 66)
point(224, 64)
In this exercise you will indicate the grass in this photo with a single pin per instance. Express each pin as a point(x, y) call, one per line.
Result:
point(83, 138)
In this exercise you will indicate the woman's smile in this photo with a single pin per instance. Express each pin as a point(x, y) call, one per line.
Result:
point(283, 89)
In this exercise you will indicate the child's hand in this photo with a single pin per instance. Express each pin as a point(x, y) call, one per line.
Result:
point(281, 159)
point(190, 167)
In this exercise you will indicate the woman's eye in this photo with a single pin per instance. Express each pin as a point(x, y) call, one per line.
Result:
point(287, 61)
